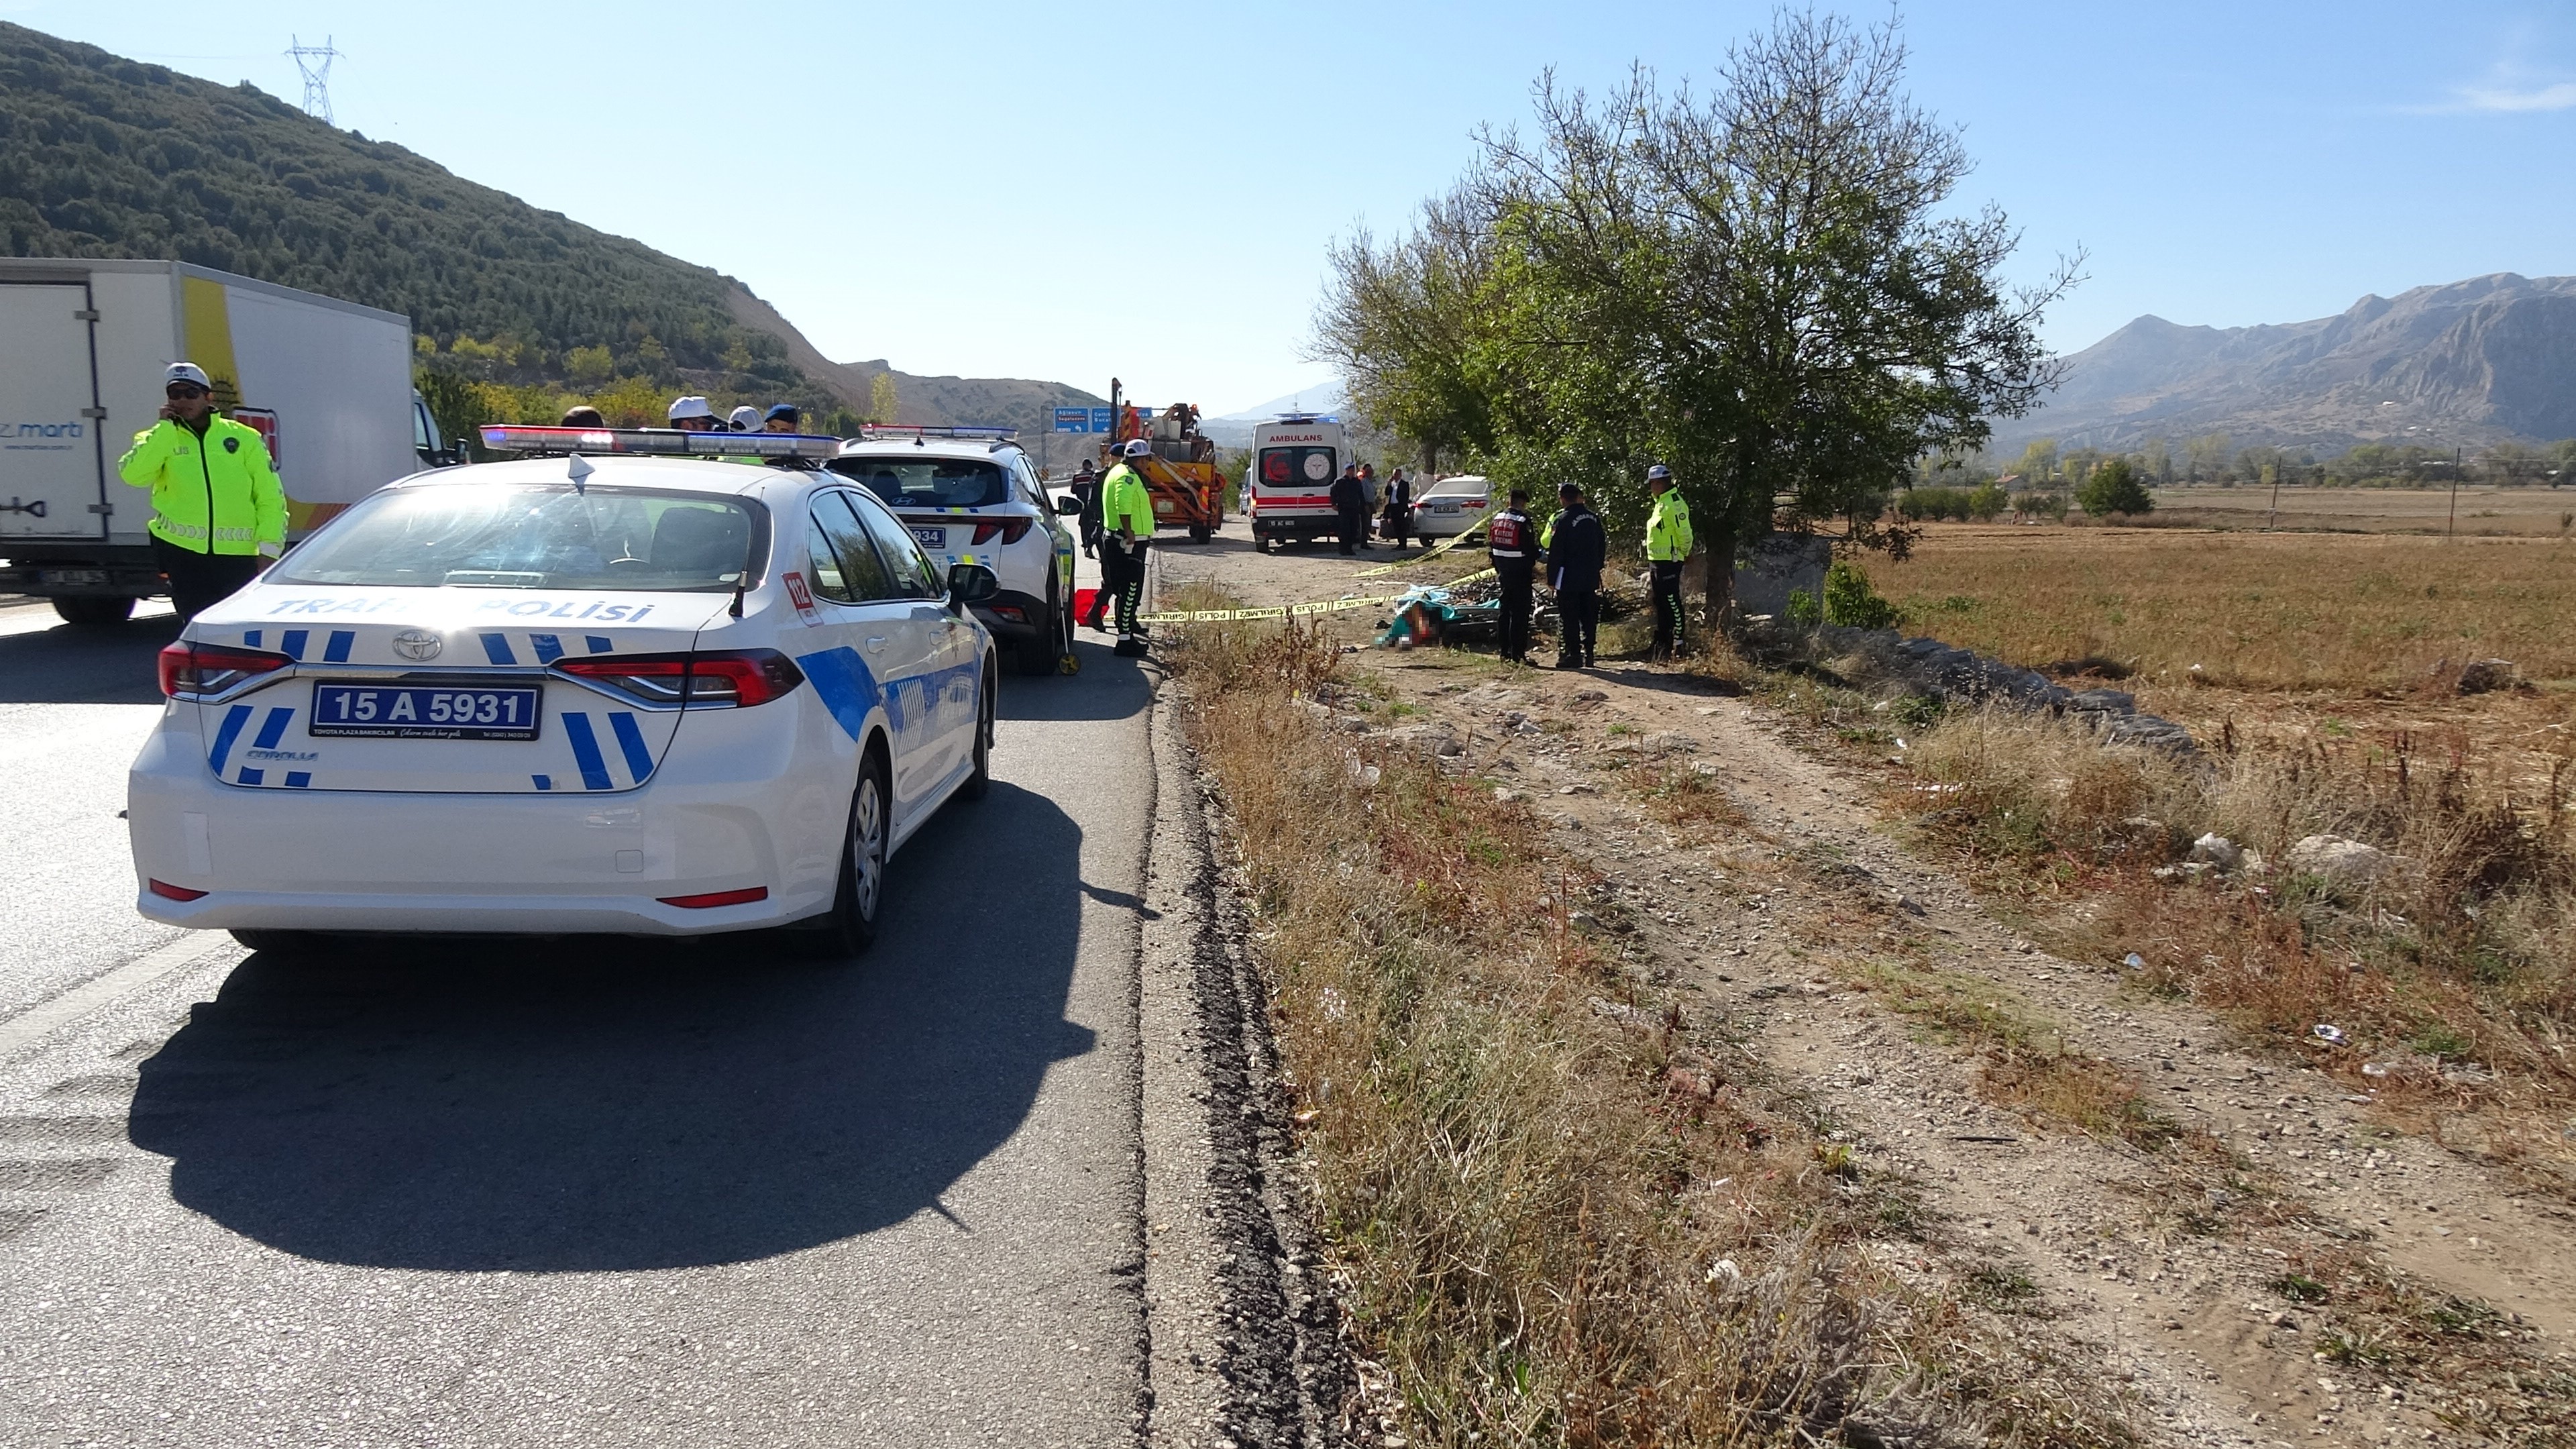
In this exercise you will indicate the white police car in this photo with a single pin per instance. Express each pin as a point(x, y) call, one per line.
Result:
point(969, 495)
point(593, 692)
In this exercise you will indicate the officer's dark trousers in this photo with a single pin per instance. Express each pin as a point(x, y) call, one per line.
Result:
point(1578, 606)
point(1354, 529)
point(199, 581)
point(1668, 608)
point(1122, 573)
point(1512, 638)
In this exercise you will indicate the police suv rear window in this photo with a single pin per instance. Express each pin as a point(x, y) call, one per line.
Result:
point(929, 482)
point(530, 536)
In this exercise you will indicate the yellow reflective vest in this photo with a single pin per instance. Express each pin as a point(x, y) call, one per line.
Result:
point(1124, 501)
point(1668, 530)
point(215, 494)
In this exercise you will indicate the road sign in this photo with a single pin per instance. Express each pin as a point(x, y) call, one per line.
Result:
point(1076, 420)
point(1100, 420)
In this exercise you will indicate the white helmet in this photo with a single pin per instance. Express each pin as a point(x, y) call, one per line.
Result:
point(1137, 448)
point(746, 419)
point(185, 372)
point(692, 406)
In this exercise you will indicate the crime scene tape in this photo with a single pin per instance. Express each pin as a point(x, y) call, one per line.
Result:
point(1282, 611)
point(1274, 611)
point(1437, 549)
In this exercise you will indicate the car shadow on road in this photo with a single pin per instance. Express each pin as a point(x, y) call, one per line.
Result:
point(86, 664)
point(1108, 687)
point(614, 1104)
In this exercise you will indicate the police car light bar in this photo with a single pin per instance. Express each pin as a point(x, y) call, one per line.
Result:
point(515, 438)
point(937, 430)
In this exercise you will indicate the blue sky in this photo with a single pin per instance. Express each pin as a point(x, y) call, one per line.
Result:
point(1147, 190)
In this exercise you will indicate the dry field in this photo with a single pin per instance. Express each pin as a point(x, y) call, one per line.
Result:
point(2522, 512)
point(2254, 611)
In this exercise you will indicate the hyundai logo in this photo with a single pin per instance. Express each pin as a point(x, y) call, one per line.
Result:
point(417, 644)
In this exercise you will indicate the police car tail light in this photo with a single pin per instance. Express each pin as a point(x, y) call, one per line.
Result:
point(190, 670)
point(1009, 530)
point(727, 679)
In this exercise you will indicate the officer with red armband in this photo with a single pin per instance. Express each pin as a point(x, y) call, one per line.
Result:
point(1511, 541)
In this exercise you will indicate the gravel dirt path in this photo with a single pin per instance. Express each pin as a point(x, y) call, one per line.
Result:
point(2274, 1265)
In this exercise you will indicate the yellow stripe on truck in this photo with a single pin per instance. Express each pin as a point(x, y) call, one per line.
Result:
point(206, 328)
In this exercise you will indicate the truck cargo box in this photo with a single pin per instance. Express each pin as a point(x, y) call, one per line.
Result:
point(327, 382)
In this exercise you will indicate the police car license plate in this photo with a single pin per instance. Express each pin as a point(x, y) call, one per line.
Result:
point(931, 537)
point(424, 712)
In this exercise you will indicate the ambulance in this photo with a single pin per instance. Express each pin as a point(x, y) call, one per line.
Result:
point(1295, 458)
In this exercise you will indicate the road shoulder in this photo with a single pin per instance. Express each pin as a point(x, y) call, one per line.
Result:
point(1244, 1346)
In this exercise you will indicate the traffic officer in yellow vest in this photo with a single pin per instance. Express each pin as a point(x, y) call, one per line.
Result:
point(218, 514)
point(1668, 542)
point(1126, 525)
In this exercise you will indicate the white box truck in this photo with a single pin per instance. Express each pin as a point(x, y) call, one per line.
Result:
point(327, 382)
point(1295, 458)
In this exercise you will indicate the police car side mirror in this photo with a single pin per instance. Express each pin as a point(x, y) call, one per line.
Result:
point(971, 584)
point(1067, 503)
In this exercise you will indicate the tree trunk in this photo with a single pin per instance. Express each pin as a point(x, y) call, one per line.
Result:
point(1718, 591)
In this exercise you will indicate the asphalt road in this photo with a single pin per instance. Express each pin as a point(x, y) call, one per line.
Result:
point(612, 1194)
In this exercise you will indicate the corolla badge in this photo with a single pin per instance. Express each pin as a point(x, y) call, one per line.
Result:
point(417, 644)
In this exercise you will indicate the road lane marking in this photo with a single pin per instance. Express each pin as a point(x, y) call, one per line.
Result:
point(41, 1019)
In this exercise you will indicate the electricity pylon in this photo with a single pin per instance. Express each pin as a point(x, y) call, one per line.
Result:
point(317, 78)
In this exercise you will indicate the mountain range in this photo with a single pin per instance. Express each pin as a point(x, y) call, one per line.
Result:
point(101, 156)
point(2486, 360)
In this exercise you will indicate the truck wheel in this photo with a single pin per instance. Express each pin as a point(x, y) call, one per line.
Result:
point(1201, 533)
point(94, 609)
point(1267, 544)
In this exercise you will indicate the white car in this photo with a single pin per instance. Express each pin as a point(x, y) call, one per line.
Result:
point(1452, 506)
point(969, 495)
point(591, 692)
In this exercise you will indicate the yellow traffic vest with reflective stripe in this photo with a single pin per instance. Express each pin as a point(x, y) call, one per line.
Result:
point(1123, 499)
point(1668, 530)
point(216, 494)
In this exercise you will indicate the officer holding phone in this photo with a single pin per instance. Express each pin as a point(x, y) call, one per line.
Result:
point(218, 513)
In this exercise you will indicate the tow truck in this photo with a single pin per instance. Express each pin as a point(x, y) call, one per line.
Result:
point(1182, 476)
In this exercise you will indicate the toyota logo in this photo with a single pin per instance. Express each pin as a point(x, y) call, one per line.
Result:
point(417, 644)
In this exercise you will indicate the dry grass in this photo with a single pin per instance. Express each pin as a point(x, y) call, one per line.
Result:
point(1560, 1217)
point(2453, 978)
point(2477, 511)
point(2256, 611)
point(2024, 1063)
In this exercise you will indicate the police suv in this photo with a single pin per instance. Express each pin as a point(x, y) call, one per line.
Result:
point(970, 496)
point(628, 687)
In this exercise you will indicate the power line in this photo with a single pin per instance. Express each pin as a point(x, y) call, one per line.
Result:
point(317, 77)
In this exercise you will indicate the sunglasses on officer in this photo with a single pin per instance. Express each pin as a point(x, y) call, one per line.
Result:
point(182, 390)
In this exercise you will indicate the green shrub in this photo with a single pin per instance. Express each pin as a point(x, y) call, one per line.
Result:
point(1804, 611)
point(1852, 603)
point(1987, 500)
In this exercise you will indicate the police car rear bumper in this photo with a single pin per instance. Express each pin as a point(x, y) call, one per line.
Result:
point(557, 863)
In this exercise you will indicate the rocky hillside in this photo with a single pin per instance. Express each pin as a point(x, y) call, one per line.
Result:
point(2466, 364)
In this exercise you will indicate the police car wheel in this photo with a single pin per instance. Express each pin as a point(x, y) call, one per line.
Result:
point(982, 780)
point(850, 926)
point(283, 943)
point(1040, 655)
